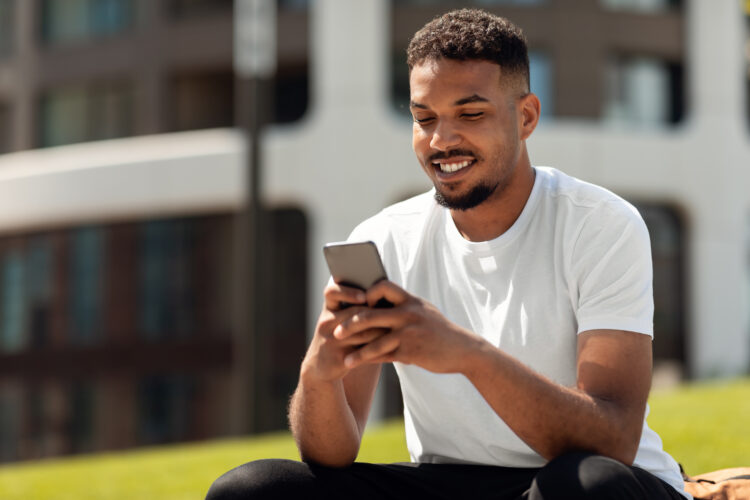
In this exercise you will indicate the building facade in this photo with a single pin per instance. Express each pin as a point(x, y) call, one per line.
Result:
point(123, 178)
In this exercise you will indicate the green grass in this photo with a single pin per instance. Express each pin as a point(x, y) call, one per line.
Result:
point(704, 426)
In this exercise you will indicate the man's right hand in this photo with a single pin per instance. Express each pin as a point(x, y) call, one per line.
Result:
point(329, 409)
point(324, 360)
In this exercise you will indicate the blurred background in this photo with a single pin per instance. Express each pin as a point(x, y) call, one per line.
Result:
point(126, 140)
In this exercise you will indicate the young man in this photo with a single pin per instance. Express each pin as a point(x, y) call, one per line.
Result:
point(522, 321)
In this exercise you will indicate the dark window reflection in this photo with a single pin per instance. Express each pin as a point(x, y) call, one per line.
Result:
point(66, 21)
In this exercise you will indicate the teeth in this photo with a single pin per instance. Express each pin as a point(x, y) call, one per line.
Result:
point(453, 167)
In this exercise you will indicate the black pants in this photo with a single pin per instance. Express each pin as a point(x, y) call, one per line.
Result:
point(571, 476)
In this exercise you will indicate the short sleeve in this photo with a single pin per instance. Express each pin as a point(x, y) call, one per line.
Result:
point(611, 263)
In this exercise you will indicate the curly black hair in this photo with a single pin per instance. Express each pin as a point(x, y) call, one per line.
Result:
point(468, 34)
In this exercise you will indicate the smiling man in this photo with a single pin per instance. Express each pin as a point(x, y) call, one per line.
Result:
point(522, 322)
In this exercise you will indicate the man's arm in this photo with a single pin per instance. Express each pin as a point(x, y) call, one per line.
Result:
point(603, 414)
point(329, 408)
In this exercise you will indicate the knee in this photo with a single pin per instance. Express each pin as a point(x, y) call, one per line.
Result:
point(585, 476)
point(263, 479)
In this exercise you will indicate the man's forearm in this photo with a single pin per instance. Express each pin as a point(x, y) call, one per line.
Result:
point(550, 418)
point(322, 423)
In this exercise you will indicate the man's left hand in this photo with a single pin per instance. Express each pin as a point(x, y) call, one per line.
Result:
point(419, 333)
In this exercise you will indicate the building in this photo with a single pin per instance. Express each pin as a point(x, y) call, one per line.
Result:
point(123, 179)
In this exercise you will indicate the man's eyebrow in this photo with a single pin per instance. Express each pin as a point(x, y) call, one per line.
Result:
point(470, 99)
point(460, 102)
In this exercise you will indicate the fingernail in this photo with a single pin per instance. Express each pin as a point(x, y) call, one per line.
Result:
point(349, 361)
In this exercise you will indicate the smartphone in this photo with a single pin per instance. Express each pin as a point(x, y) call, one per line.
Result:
point(356, 264)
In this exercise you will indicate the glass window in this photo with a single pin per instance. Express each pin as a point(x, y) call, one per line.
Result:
point(294, 4)
point(166, 298)
point(6, 27)
point(196, 8)
point(641, 5)
point(86, 284)
point(82, 399)
point(5, 128)
point(10, 421)
point(13, 305)
point(642, 92)
point(165, 408)
point(666, 230)
point(201, 100)
point(39, 289)
point(541, 82)
point(290, 94)
point(66, 21)
point(86, 113)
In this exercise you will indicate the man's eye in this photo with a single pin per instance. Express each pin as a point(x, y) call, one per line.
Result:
point(423, 120)
point(472, 115)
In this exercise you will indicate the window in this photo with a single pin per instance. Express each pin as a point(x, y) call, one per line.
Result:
point(641, 5)
point(86, 113)
point(86, 285)
point(165, 408)
point(5, 128)
point(6, 28)
point(642, 92)
point(541, 82)
point(81, 396)
point(39, 289)
point(201, 100)
point(294, 4)
point(166, 291)
point(666, 230)
point(67, 21)
point(198, 8)
point(12, 296)
point(10, 421)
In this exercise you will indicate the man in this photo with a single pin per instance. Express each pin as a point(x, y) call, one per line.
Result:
point(522, 321)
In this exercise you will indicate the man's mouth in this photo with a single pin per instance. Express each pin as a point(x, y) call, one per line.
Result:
point(451, 166)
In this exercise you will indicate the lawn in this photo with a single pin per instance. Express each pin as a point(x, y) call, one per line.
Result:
point(704, 426)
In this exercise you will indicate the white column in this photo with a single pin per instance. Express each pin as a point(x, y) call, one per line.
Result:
point(716, 181)
point(344, 34)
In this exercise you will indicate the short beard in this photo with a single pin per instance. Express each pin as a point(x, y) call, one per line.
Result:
point(472, 199)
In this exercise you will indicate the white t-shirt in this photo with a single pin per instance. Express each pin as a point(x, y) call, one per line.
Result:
point(577, 258)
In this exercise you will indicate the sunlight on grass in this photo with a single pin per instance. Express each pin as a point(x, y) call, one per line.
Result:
point(178, 472)
point(703, 426)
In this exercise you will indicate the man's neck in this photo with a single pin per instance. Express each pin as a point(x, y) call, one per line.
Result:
point(498, 213)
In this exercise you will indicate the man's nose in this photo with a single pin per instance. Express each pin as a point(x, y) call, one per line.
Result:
point(444, 137)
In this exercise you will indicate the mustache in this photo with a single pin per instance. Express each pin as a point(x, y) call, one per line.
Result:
point(444, 155)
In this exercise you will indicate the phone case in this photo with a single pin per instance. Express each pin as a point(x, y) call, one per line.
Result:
point(354, 264)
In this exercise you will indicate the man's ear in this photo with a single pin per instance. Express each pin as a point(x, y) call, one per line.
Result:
point(529, 108)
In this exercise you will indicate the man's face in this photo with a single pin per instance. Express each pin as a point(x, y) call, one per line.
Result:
point(465, 132)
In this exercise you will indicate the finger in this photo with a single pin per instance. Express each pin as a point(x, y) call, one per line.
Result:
point(336, 296)
point(356, 320)
point(376, 349)
point(387, 290)
point(364, 337)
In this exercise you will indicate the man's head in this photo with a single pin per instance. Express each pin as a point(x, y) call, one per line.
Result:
point(472, 109)
point(473, 34)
